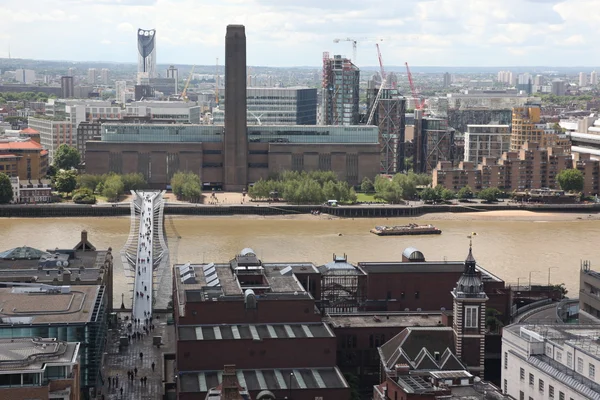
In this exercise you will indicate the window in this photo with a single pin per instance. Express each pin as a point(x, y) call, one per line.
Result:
point(417, 295)
point(541, 385)
point(549, 351)
point(551, 391)
point(531, 379)
point(561, 396)
point(580, 365)
point(471, 316)
point(570, 360)
point(505, 386)
point(559, 356)
point(592, 371)
point(522, 374)
point(521, 395)
point(506, 360)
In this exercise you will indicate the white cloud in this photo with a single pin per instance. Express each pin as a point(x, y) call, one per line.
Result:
point(290, 32)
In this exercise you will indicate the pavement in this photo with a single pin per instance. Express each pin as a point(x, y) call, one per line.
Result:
point(120, 359)
point(544, 314)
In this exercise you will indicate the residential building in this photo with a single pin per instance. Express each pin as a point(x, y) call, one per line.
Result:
point(104, 76)
point(34, 191)
point(86, 131)
point(53, 133)
point(525, 83)
point(67, 87)
point(92, 76)
point(492, 99)
point(583, 79)
point(589, 294)
point(551, 361)
point(39, 368)
point(63, 313)
point(25, 76)
point(276, 106)
point(559, 88)
point(533, 167)
point(146, 45)
point(594, 78)
point(121, 90)
point(527, 126)
point(173, 73)
point(23, 158)
point(447, 79)
point(486, 141)
point(352, 152)
point(340, 91)
point(433, 142)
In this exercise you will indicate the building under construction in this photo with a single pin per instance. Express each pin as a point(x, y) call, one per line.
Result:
point(340, 91)
point(389, 116)
point(434, 142)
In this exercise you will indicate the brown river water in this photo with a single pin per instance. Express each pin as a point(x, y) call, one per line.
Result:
point(507, 248)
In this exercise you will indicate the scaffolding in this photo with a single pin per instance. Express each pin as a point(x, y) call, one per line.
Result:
point(340, 286)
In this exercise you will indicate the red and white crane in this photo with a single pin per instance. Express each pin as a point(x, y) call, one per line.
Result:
point(419, 103)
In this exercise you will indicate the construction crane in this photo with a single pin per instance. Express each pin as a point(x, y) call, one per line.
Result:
point(217, 83)
point(187, 83)
point(419, 104)
point(383, 84)
point(380, 62)
point(355, 43)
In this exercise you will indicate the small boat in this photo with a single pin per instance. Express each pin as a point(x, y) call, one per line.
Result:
point(410, 229)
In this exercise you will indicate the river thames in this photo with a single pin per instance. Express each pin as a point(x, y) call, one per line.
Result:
point(510, 249)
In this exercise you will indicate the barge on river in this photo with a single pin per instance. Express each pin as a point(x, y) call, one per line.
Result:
point(410, 229)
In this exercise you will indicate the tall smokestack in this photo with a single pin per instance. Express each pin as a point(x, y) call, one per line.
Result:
point(235, 142)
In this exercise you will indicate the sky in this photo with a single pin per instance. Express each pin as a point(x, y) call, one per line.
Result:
point(296, 32)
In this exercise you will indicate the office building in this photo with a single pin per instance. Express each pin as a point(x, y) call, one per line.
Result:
point(551, 361)
point(594, 78)
point(525, 83)
point(486, 141)
point(166, 86)
point(146, 44)
point(86, 131)
point(527, 126)
point(277, 106)
point(104, 76)
point(23, 158)
point(92, 76)
point(532, 167)
point(583, 79)
point(67, 87)
point(36, 368)
point(341, 81)
point(121, 91)
point(53, 133)
point(559, 88)
point(352, 152)
point(173, 73)
point(492, 100)
point(447, 79)
point(235, 141)
point(25, 76)
point(178, 111)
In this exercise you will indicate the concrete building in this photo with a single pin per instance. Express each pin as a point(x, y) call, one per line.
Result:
point(527, 126)
point(121, 89)
point(583, 79)
point(276, 106)
point(559, 88)
point(173, 73)
point(25, 76)
point(104, 76)
point(533, 167)
point(86, 131)
point(53, 133)
point(490, 99)
point(178, 111)
point(92, 76)
point(23, 158)
point(433, 142)
point(166, 86)
point(593, 78)
point(146, 45)
point(551, 361)
point(351, 152)
point(589, 294)
point(67, 87)
point(447, 81)
point(39, 368)
point(341, 81)
point(486, 141)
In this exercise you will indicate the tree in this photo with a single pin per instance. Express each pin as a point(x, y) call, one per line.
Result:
point(6, 190)
point(366, 186)
point(134, 181)
point(89, 181)
point(65, 181)
point(492, 320)
point(113, 188)
point(489, 195)
point(66, 157)
point(84, 196)
point(465, 193)
point(570, 180)
point(186, 186)
point(447, 194)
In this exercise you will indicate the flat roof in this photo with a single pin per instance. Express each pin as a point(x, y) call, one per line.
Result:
point(35, 353)
point(77, 306)
point(388, 320)
point(423, 267)
point(254, 332)
point(266, 379)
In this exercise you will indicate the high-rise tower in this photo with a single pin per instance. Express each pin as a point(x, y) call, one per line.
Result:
point(341, 81)
point(235, 174)
point(146, 40)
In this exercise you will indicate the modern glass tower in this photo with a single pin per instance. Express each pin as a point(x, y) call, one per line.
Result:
point(146, 40)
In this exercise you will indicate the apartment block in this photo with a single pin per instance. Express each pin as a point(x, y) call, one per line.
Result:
point(340, 91)
point(589, 294)
point(53, 133)
point(533, 167)
point(527, 126)
point(23, 158)
point(486, 141)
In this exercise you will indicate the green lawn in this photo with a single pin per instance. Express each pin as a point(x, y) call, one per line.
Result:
point(367, 198)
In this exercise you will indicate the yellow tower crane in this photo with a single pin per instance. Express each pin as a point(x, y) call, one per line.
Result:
point(187, 83)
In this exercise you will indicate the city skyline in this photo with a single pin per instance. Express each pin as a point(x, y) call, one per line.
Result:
point(425, 33)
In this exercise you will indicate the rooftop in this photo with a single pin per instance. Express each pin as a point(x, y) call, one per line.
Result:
point(35, 353)
point(267, 379)
point(391, 320)
point(19, 145)
point(18, 306)
point(254, 332)
point(423, 267)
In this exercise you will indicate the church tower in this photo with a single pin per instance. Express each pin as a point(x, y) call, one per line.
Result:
point(469, 317)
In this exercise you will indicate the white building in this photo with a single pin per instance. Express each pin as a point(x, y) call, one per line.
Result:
point(104, 76)
point(174, 110)
point(120, 89)
point(92, 75)
point(486, 141)
point(594, 78)
point(558, 362)
point(26, 76)
point(582, 79)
